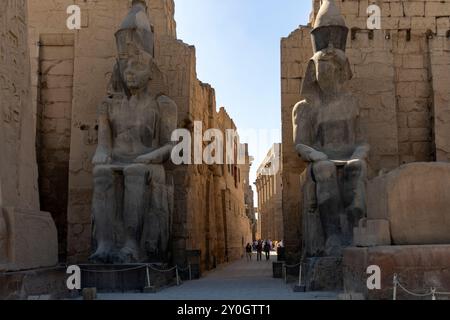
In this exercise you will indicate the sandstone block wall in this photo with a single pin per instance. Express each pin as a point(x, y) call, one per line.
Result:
point(27, 236)
point(399, 79)
point(18, 172)
point(54, 122)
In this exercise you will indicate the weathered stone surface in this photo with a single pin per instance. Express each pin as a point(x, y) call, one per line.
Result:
point(419, 268)
point(36, 283)
point(327, 135)
point(18, 171)
point(324, 274)
point(372, 233)
point(133, 201)
point(29, 240)
point(212, 220)
point(27, 236)
point(403, 98)
point(415, 200)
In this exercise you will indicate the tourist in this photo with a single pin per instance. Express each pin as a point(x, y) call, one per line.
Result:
point(267, 250)
point(249, 251)
point(259, 249)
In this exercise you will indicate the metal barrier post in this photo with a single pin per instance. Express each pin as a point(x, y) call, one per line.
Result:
point(300, 275)
point(395, 288)
point(190, 272)
point(178, 278)
point(285, 273)
point(148, 276)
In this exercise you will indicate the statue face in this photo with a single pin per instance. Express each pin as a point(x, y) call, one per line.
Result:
point(136, 73)
point(329, 76)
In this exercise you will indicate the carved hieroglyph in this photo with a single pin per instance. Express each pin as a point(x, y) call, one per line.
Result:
point(327, 135)
point(132, 195)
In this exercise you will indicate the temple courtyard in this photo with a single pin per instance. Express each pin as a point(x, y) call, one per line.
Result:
point(240, 280)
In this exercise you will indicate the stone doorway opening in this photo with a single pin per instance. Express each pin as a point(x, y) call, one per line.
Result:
point(54, 114)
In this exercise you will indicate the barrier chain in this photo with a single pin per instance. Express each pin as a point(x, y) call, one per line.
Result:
point(433, 292)
point(291, 267)
point(147, 269)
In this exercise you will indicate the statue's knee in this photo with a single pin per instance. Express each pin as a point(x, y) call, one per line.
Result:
point(324, 170)
point(103, 178)
point(356, 167)
point(102, 171)
point(157, 174)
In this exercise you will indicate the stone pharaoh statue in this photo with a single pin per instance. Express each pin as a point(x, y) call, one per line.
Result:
point(327, 135)
point(131, 203)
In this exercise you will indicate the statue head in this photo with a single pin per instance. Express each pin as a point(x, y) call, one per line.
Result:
point(135, 49)
point(136, 28)
point(329, 68)
point(332, 70)
point(136, 69)
point(329, 28)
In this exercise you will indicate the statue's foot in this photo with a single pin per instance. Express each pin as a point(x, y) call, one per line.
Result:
point(354, 214)
point(128, 254)
point(104, 254)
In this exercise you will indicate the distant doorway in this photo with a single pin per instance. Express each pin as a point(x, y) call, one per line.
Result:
point(54, 115)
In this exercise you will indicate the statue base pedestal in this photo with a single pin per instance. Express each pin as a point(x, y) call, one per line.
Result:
point(126, 277)
point(324, 274)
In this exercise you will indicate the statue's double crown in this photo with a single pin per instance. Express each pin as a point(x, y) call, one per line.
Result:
point(136, 28)
point(329, 27)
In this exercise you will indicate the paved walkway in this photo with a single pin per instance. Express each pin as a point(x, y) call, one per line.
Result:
point(240, 280)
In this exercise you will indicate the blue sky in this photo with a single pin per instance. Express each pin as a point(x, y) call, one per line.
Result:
point(238, 52)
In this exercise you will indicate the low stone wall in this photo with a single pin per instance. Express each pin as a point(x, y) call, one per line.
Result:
point(48, 282)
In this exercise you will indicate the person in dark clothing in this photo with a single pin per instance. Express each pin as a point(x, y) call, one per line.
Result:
point(259, 249)
point(267, 250)
point(249, 251)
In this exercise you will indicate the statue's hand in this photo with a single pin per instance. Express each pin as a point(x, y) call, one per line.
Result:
point(361, 152)
point(317, 156)
point(310, 154)
point(101, 158)
point(151, 158)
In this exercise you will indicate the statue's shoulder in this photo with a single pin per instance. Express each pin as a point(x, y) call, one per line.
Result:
point(168, 109)
point(351, 102)
point(302, 109)
point(166, 104)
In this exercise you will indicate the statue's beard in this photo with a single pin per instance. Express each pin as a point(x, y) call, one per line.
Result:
point(135, 85)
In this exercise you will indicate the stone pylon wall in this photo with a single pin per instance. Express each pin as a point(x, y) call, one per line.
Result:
point(18, 172)
point(198, 217)
point(401, 75)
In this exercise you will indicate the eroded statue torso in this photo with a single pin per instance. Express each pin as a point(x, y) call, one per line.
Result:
point(334, 128)
point(135, 128)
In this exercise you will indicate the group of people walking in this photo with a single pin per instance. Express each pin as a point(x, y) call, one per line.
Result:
point(261, 246)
